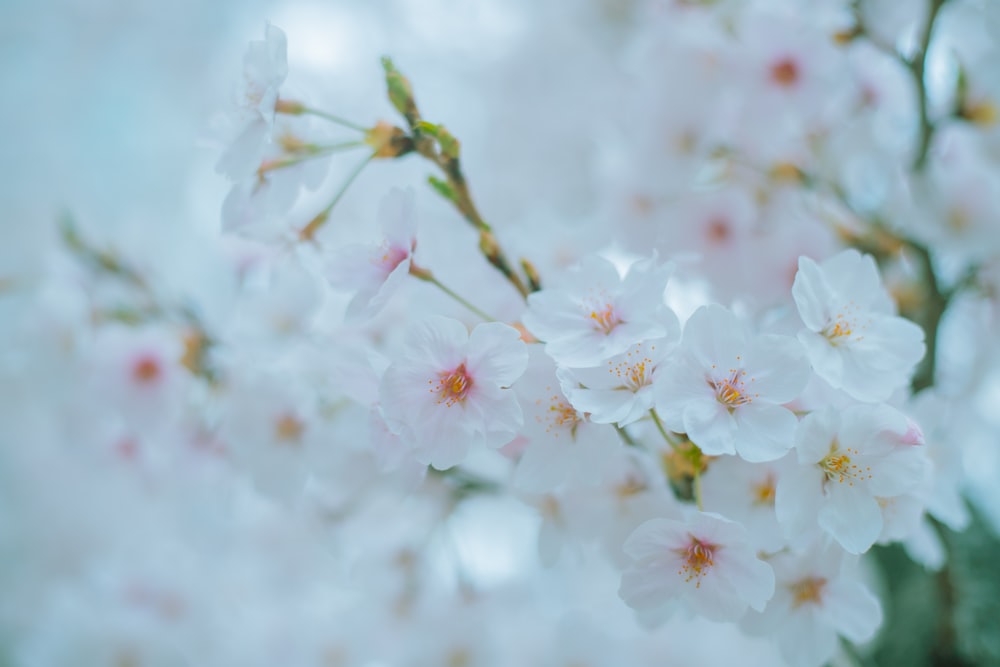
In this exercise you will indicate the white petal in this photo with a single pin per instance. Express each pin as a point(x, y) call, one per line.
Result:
point(497, 355)
point(764, 432)
point(779, 368)
point(852, 610)
point(851, 516)
point(438, 342)
point(710, 426)
point(714, 335)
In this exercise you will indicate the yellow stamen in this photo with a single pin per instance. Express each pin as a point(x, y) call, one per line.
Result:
point(807, 591)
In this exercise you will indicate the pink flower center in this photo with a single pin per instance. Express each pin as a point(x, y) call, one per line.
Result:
point(699, 557)
point(391, 256)
point(718, 231)
point(785, 72)
point(453, 386)
point(146, 369)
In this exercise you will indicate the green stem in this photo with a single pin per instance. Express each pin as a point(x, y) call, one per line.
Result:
point(308, 233)
point(697, 483)
point(334, 119)
point(350, 179)
point(626, 438)
point(663, 431)
point(930, 320)
point(312, 154)
point(428, 277)
point(918, 67)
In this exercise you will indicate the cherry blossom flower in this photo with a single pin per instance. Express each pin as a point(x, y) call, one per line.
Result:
point(598, 314)
point(619, 391)
point(265, 66)
point(449, 389)
point(848, 459)
point(704, 563)
point(853, 337)
point(725, 389)
point(562, 443)
point(745, 492)
point(376, 271)
point(816, 598)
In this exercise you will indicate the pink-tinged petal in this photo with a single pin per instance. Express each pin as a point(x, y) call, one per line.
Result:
point(811, 295)
point(852, 610)
point(715, 337)
point(851, 516)
point(764, 432)
point(875, 429)
point(710, 426)
point(779, 368)
point(497, 355)
point(386, 290)
point(438, 342)
point(899, 473)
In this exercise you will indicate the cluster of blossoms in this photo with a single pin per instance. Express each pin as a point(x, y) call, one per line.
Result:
point(706, 413)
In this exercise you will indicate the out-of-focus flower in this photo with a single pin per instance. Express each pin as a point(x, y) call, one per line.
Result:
point(705, 563)
point(375, 272)
point(450, 390)
point(598, 314)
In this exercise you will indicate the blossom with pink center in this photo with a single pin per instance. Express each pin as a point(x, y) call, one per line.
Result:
point(704, 563)
point(598, 314)
point(726, 388)
point(376, 271)
point(449, 390)
point(847, 460)
point(139, 371)
point(853, 337)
